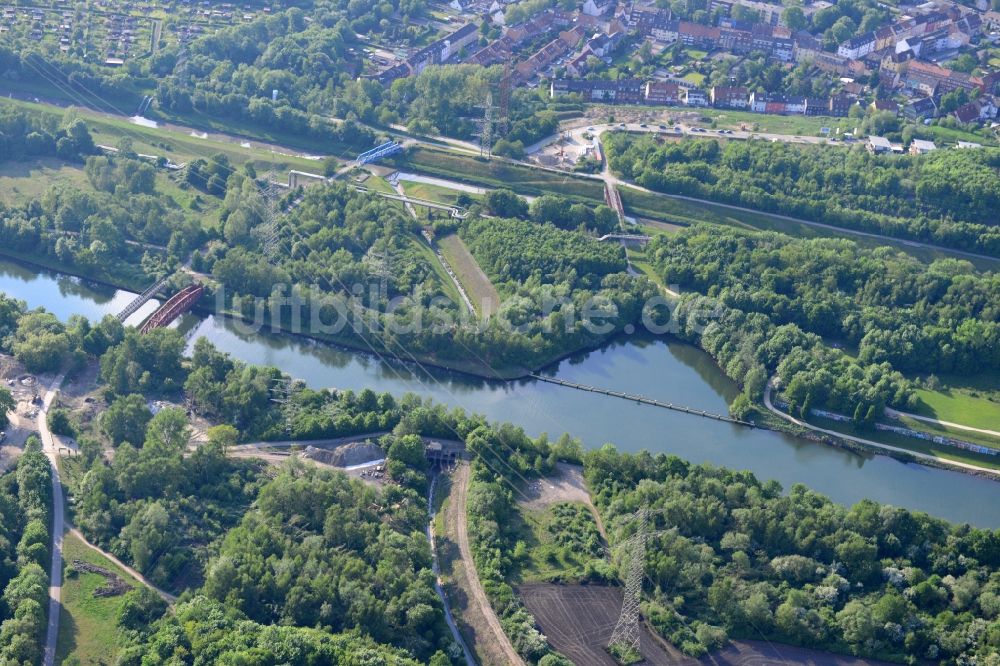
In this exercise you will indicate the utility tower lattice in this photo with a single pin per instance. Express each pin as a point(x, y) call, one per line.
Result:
point(267, 232)
point(486, 127)
point(282, 390)
point(626, 632)
point(503, 124)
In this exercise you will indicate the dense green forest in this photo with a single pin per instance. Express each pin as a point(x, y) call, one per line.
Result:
point(942, 317)
point(730, 556)
point(749, 348)
point(25, 514)
point(949, 197)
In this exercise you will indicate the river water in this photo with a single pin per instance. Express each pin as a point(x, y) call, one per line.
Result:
point(665, 370)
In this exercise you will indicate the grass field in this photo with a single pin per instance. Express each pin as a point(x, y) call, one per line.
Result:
point(484, 295)
point(695, 78)
point(959, 407)
point(22, 181)
point(431, 192)
point(87, 624)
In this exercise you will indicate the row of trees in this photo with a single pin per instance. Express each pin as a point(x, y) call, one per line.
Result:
point(945, 197)
point(25, 135)
point(735, 557)
point(25, 510)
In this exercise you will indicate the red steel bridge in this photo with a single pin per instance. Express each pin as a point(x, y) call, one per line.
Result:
point(177, 305)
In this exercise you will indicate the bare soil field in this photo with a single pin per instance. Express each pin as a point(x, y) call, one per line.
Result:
point(482, 292)
point(578, 621)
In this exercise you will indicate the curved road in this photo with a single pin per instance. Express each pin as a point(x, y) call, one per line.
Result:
point(871, 443)
point(58, 524)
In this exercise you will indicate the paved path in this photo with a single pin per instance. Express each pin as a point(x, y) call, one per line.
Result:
point(873, 443)
point(166, 596)
point(459, 497)
point(892, 413)
point(58, 525)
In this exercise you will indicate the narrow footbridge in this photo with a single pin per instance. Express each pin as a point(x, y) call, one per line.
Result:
point(142, 299)
point(177, 305)
point(643, 400)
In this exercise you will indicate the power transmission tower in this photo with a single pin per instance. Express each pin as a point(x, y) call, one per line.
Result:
point(282, 394)
point(503, 124)
point(486, 127)
point(267, 232)
point(625, 636)
point(381, 263)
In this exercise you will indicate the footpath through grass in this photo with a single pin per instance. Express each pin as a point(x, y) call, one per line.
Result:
point(88, 628)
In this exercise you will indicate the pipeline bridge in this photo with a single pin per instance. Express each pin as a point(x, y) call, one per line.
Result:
point(455, 211)
point(626, 238)
point(643, 400)
point(175, 306)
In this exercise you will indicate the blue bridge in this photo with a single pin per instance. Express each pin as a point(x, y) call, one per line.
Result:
point(378, 152)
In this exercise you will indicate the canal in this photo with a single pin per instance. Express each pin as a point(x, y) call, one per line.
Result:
point(665, 370)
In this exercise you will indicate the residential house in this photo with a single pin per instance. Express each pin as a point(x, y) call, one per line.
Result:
point(729, 97)
point(620, 91)
point(840, 105)
point(884, 105)
point(597, 7)
point(921, 107)
point(697, 35)
point(857, 47)
point(878, 145)
point(817, 106)
point(655, 23)
point(694, 97)
point(662, 92)
point(921, 147)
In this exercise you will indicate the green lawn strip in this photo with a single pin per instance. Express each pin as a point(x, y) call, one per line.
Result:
point(88, 624)
point(477, 284)
point(498, 173)
point(430, 192)
point(682, 211)
point(177, 146)
point(909, 443)
point(447, 286)
point(959, 407)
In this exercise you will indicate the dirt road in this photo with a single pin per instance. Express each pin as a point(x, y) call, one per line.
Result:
point(166, 596)
point(58, 525)
point(478, 605)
